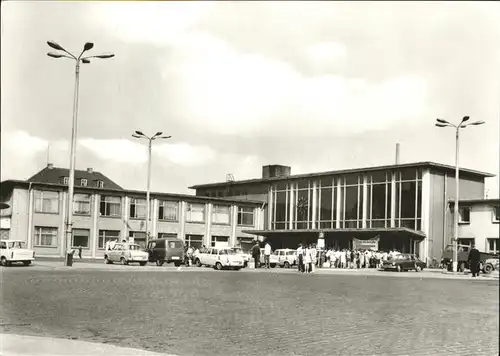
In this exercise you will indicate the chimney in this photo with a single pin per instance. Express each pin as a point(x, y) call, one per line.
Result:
point(50, 165)
point(397, 153)
point(90, 170)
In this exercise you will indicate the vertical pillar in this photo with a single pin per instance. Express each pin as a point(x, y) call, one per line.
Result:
point(94, 232)
point(365, 201)
point(393, 200)
point(29, 240)
point(62, 230)
point(234, 221)
point(292, 206)
point(339, 201)
point(425, 251)
point(153, 215)
point(314, 205)
point(125, 208)
point(182, 219)
point(270, 209)
point(208, 224)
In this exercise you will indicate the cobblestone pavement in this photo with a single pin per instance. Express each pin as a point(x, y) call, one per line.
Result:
point(234, 313)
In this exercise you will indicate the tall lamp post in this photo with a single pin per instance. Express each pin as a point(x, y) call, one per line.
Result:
point(158, 135)
point(462, 125)
point(71, 184)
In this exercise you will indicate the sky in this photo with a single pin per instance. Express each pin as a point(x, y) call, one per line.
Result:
point(313, 85)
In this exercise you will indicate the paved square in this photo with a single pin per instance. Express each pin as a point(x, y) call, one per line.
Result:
point(254, 312)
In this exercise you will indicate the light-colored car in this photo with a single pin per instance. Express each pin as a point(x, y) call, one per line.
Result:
point(286, 257)
point(15, 251)
point(273, 259)
point(126, 253)
point(219, 258)
point(246, 256)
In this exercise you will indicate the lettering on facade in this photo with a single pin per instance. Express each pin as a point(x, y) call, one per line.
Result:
point(371, 244)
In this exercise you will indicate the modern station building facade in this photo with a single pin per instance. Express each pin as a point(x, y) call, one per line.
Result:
point(104, 211)
point(402, 206)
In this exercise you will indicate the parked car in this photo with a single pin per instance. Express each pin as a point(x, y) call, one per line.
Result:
point(273, 259)
point(404, 262)
point(166, 250)
point(126, 253)
point(286, 257)
point(15, 251)
point(220, 258)
point(246, 256)
point(488, 260)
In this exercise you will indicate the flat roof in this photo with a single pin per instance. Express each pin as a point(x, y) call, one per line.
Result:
point(418, 234)
point(7, 184)
point(439, 166)
point(491, 201)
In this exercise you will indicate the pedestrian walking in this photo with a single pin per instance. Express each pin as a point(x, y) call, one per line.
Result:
point(267, 255)
point(474, 260)
point(307, 259)
point(256, 254)
point(300, 258)
point(80, 252)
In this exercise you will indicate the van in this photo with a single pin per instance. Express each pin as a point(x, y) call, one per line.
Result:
point(166, 250)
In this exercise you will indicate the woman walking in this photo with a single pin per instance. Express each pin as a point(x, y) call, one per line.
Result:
point(307, 259)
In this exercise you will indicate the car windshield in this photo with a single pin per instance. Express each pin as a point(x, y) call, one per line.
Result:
point(291, 253)
point(17, 244)
point(226, 252)
point(134, 247)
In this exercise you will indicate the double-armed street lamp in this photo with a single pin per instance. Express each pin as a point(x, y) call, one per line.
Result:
point(158, 135)
point(71, 184)
point(462, 125)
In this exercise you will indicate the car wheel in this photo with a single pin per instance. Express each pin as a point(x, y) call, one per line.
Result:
point(160, 263)
point(417, 268)
point(399, 269)
point(488, 268)
point(27, 263)
point(123, 261)
point(142, 263)
point(197, 262)
point(218, 266)
point(287, 264)
point(273, 265)
point(106, 260)
point(177, 264)
point(4, 262)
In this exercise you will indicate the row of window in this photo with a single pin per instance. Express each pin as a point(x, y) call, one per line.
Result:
point(464, 215)
point(84, 182)
point(48, 237)
point(111, 206)
point(492, 245)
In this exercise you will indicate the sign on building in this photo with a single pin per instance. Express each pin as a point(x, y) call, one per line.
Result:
point(371, 244)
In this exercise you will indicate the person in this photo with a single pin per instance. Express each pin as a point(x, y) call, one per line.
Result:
point(267, 255)
point(307, 259)
point(256, 253)
point(474, 259)
point(189, 254)
point(112, 244)
point(80, 252)
point(300, 258)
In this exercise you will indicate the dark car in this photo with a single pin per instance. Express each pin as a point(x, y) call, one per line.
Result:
point(404, 262)
point(166, 250)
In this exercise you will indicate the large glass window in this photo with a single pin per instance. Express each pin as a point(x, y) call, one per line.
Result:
point(408, 199)
point(195, 212)
point(108, 235)
point(46, 202)
point(45, 236)
point(138, 208)
point(221, 214)
point(220, 241)
point(110, 206)
point(81, 237)
point(81, 204)
point(168, 210)
point(302, 208)
point(139, 238)
point(245, 216)
point(493, 245)
point(280, 206)
point(351, 203)
point(327, 207)
point(195, 241)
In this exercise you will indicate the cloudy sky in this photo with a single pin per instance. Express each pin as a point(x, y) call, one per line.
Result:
point(314, 85)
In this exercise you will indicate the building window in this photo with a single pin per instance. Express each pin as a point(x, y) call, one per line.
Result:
point(220, 241)
point(168, 210)
point(464, 215)
point(221, 214)
point(246, 216)
point(166, 235)
point(83, 182)
point(45, 236)
point(195, 241)
point(81, 238)
point(110, 206)
point(138, 208)
point(195, 212)
point(81, 204)
point(99, 184)
point(496, 214)
point(493, 246)
point(46, 202)
point(138, 237)
point(108, 235)
point(66, 180)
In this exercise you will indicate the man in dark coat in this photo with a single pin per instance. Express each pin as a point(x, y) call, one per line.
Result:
point(474, 261)
point(256, 254)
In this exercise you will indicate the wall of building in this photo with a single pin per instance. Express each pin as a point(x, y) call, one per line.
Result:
point(469, 188)
point(19, 211)
point(481, 226)
point(436, 220)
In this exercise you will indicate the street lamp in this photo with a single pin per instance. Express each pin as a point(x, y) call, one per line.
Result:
point(463, 124)
point(71, 184)
point(158, 135)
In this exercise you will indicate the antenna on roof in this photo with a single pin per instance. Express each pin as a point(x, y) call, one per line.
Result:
point(229, 177)
point(48, 153)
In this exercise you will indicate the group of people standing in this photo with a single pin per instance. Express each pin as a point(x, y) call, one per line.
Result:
point(307, 258)
point(357, 258)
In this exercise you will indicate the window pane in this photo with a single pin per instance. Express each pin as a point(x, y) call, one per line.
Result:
point(302, 205)
point(81, 237)
point(351, 203)
point(408, 198)
point(326, 182)
point(221, 214)
point(378, 201)
point(409, 174)
point(280, 206)
point(325, 212)
point(351, 179)
point(378, 177)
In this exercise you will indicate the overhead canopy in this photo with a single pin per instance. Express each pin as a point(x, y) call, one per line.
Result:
point(342, 233)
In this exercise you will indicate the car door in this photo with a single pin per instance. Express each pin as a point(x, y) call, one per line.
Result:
point(112, 253)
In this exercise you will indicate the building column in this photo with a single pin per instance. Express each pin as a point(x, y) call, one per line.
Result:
point(30, 219)
point(182, 220)
point(393, 200)
point(125, 208)
point(291, 206)
point(94, 232)
point(154, 217)
point(314, 205)
point(425, 251)
point(234, 222)
point(208, 224)
point(270, 212)
point(339, 204)
point(365, 202)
